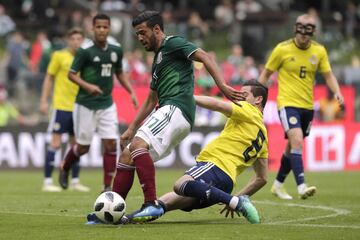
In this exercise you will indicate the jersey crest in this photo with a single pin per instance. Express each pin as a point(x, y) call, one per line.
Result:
point(113, 57)
point(159, 58)
point(313, 59)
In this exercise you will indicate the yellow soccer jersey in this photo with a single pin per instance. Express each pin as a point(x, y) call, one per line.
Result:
point(297, 68)
point(243, 140)
point(65, 91)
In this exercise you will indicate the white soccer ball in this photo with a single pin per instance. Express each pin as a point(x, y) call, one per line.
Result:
point(109, 207)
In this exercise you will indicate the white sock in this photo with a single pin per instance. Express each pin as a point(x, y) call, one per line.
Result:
point(75, 180)
point(277, 184)
point(48, 181)
point(234, 202)
point(301, 188)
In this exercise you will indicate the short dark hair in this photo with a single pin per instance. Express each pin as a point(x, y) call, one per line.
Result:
point(100, 16)
point(258, 89)
point(74, 30)
point(151, 18)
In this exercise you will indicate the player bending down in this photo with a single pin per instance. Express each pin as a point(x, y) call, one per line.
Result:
point(242, 143)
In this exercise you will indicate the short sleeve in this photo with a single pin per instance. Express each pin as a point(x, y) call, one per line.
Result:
point(274, 60)
point(264, 152)
point(324, 64)
point(118, 65)
point(54, 64)
point(79, 60)
point(182, 46)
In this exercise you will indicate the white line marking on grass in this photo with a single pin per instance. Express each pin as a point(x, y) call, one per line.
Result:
point(296, 222)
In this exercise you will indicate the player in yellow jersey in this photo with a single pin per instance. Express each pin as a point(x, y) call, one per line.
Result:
point(297, 60)
point(63, 99)
point(242, 143)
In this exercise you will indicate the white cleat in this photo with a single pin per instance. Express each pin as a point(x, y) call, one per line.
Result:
point(280, 192)
point(306, 192)
point(78, 187)
point(51, 188)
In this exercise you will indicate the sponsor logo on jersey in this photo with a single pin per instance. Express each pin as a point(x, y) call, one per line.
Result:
point(96, 59)
point(313, 59)
point(159, 58)
point(113, 57)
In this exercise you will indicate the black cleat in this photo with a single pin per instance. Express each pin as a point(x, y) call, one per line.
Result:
point(64, 179)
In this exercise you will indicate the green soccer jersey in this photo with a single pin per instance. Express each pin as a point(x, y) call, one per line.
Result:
point(97, 66)
point(173, 75)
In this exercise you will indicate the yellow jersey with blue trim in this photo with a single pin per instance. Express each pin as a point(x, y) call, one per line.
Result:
point(242, 141)
point(65, 90)
point(297, 68)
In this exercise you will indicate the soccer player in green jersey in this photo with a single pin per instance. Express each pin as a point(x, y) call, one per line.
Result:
point(297, 60)
point(241, 144)
point(97, 61)
point(171, 88)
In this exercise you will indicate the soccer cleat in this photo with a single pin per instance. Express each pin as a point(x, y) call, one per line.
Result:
point(92, 219)
point(64, 179)
point(247, 209)
point(280, 192)
point(307, 192)
point(79, 187)
point(148, 212)
point(50, 188)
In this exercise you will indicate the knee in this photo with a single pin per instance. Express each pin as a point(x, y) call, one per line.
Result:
point(137, 143)
point(125, 157)
point(110, 146)
point(296, 143)
point(82, 149)
point(177, 186)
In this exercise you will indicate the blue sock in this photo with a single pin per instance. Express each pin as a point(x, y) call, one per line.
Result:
point(297, 167)
point(75, 169)
point(285, 168)
point(49, 162)
point(205, 192)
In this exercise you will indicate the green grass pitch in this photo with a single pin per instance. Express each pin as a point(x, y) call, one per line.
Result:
point(28, 213)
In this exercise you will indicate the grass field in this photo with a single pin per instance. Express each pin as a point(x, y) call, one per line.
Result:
point(28, 213)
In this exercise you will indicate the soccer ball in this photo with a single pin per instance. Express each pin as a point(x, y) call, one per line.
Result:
point(109, 207)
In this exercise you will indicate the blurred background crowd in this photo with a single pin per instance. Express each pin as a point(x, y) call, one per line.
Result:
point(239, 33)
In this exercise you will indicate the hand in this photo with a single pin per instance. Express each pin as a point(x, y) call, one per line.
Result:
point(229, 210)
point(134, 101)
point(44, 107)
point(94, 90)
point(339, 98)
point(231, 93)
point(126, 137)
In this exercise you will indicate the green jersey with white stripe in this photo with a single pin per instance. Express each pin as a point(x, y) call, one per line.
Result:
point(97, 66)
point(173, 75)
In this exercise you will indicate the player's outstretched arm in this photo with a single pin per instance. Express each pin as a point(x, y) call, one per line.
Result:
point(214, 104)
point(264, 76)
point(211, 66)
point(124, 81)
point(259, 180)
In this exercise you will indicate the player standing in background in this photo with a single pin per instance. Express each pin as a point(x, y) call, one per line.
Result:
point(297, 60)
point(97, 61)
point(63, 99)
point(172, 88)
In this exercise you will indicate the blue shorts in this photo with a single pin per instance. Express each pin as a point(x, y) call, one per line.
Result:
point(292, 117)
point(209, 173)
point(61, 122)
